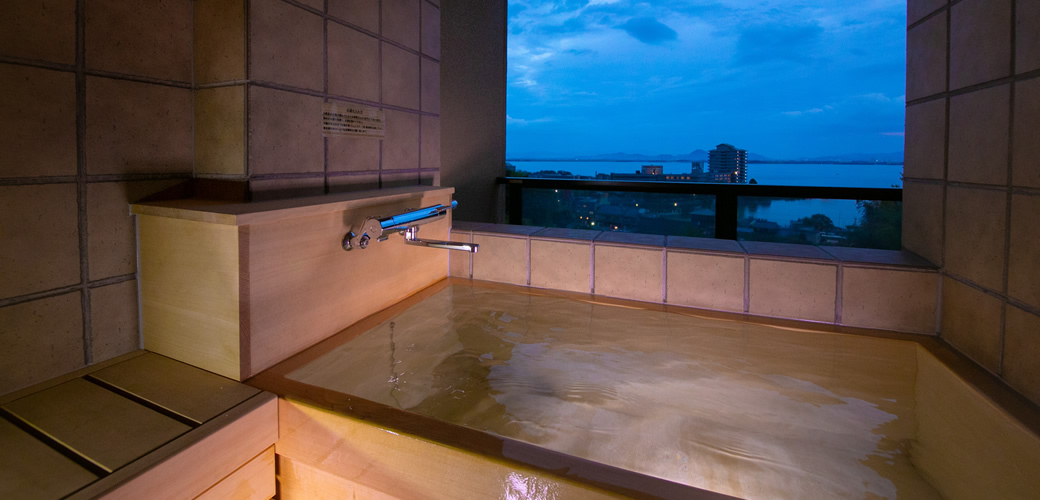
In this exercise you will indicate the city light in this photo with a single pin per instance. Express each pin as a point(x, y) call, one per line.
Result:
point(592, 223)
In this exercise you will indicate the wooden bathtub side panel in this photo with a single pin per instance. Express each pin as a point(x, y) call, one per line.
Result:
point(301, 287)
point(966, 446)
point(326, 455)
point(190, 292)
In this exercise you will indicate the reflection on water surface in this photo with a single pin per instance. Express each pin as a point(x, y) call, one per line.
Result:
point(743, 409)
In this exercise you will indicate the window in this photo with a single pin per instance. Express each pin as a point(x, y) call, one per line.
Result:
point(807, 93)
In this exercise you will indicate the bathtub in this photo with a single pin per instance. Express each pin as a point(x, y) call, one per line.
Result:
point(476, 390)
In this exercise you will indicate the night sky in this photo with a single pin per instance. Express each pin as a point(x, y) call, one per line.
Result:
point(784, 79)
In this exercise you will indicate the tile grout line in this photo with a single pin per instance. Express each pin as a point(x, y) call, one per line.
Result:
point(946, 165)
point(747, 283)
point(325, 86)
point(382, 107)
point(81, 181)
point(1009, 196)
point(839, 284)
point(664, 272)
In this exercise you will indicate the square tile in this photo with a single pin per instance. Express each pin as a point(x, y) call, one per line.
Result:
point(401, 144)
point(43, 30)
point(350, 183)
point(220, 41)
point(280, 189)
point(706, 281)
point(431, 30)
point(286, 44)
point(398, 178)
point(138, 128)
point(785, 250)
point(904, 301)
point(651, 240)
point(284, 132)
point(113, 320)
point(629, 273)
point(923, 220)
point(980, 42)
point(561, 266)
point(567, 234)
point(352, 154)
point(792, 290)
point(431, 86)
point(877, 256)
point(459, 262)
point(971, 323)
point(1025, 155)
point(39, 238)
point(430, 145)
point(926, 140)
point(400, 77)
point(401, 22)
point(500, 259)
point(709, 244)
point(1024, 255)
point(43, 339)
point(979, 124)
point(111, 233)
point(1021, 351)
point(1027, 36)
point(362, 13)
point(506, 229)
point(151, 39)
point(926, 58)
point(37, 122)
point(220, 130)
point(918, 9)
point(430, 177)
point(353, 63)
point(976, 221)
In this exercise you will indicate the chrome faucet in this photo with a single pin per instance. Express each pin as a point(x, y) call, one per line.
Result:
point(380, 228)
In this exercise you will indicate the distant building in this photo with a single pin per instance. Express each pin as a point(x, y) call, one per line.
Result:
point(728, 164)
point(656, 173)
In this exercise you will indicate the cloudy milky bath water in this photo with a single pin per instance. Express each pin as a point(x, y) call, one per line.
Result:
point(743, 409)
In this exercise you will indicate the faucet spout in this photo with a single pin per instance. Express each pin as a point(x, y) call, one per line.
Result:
point(411, 237)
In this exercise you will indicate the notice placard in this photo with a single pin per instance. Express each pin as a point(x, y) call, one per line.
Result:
point(355, 120)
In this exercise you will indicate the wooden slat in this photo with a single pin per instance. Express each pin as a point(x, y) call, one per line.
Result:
point(231, 441)
point(190, 292)
point(47, 384)
point(253, 481)
point(31, 469)
point(193, 393)
point(99, 425)
point(302, 287)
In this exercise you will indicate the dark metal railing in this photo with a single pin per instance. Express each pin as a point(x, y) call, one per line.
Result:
point(726, 195)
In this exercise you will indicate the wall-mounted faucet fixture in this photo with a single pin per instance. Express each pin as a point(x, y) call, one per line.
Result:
point(380, 228)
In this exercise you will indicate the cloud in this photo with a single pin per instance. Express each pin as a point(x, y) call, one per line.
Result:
point(894, 134)
point(649, 30)
point(521, 122)
point(810, 111)
point(769, 42)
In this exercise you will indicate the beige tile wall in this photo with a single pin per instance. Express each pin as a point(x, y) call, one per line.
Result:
point(85, 128)
point(293, 56)
point(971, 202)
point(866, 288)
point(107, 105)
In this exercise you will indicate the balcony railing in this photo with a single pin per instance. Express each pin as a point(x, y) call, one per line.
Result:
point(869, 217)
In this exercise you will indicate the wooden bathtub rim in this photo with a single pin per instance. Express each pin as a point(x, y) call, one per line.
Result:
point(606, 477)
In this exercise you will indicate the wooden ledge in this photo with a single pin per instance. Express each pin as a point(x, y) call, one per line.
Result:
point(239, 213)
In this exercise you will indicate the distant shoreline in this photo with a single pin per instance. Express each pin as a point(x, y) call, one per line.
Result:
point(776, 162)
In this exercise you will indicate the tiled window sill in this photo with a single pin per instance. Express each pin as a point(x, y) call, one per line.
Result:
point(884, 289)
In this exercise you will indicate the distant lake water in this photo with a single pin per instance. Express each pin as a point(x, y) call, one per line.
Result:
point(795, 174)
point(841, 212)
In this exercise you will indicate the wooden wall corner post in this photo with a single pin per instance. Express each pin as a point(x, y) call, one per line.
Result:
point(190, 292)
